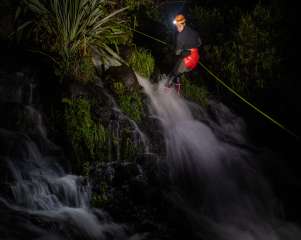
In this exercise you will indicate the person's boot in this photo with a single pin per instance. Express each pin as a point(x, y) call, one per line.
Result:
point(170, 81)
point(178, 88)
point(178, 85)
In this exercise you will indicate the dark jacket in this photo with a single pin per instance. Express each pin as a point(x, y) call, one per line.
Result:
point(186, 40)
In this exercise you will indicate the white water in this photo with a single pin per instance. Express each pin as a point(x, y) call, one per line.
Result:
point(41, 189)
point(138, 136)
point(52, 203)
point(213, 182)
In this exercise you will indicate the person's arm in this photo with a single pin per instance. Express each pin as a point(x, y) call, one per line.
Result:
point(178, 52)
point(184, 53)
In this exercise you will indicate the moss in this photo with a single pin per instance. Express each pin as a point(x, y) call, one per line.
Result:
point(80, 69)
point(84, 71)
point(101, 198)
point(119, 88)
point(132, 106)
point(88, 138)
point(130, 102)
point(128, 148)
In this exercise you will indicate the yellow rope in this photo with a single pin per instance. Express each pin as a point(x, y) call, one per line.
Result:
point(230, 89)
point(250, 104)
point(156, 39)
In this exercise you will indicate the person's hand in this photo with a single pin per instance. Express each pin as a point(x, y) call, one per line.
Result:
point(178, 52)
point(185, 53)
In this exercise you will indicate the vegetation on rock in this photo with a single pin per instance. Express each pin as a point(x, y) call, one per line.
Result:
point(68, 31)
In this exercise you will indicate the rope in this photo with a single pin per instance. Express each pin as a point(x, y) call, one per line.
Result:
point(230, 89)
point(146, 35)
point(248, 103)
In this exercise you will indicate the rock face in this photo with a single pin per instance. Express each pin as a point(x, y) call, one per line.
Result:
point(7, 13)
point(124, 74)
point(120, 182)
point(17, 88)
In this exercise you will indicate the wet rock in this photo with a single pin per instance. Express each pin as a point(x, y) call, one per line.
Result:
point(124, 74)
point(7, 13)
point(16, 88)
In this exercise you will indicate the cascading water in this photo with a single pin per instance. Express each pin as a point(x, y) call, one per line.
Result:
point(42, 200)
point(138, 136)
point(214, 183)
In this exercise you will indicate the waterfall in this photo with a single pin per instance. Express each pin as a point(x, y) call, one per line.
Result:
point(42, 200)
point(138, 136)
point(212, 173)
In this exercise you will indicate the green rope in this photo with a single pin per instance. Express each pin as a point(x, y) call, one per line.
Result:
point(250, 104)
point(231, 90)
point(146, 35)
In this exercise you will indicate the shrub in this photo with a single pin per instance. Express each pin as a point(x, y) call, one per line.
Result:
point(69, 29)
point(255, 57)
point(142, 62)
point(246, 57)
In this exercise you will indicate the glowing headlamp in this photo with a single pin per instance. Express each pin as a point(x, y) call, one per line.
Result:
point(174, 22)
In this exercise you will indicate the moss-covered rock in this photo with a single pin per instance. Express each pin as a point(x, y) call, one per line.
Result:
point(123, 75)
point(124, 86)
point(88, 138)
point(79, 69)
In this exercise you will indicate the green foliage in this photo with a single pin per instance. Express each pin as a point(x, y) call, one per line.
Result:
point(135, 5)
point(246, 57)
point(86, 168)
point(88, 138)
point(130, 102)
point(119, 88)
point(193, 92)
point(86, 69)
point(91, 142)
point(257, 55)
point(81, 69)
point(251, 58)
point(128, 149)
point(132, 105)
point(70, 29)
point(142, 62)
point(148, 7)
point(100, 199)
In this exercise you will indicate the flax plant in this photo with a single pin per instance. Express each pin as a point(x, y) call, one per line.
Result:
point(70, 29)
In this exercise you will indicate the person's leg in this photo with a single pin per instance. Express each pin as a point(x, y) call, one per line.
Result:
point(173, 75)
point(180, 71)
point(178, 85)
